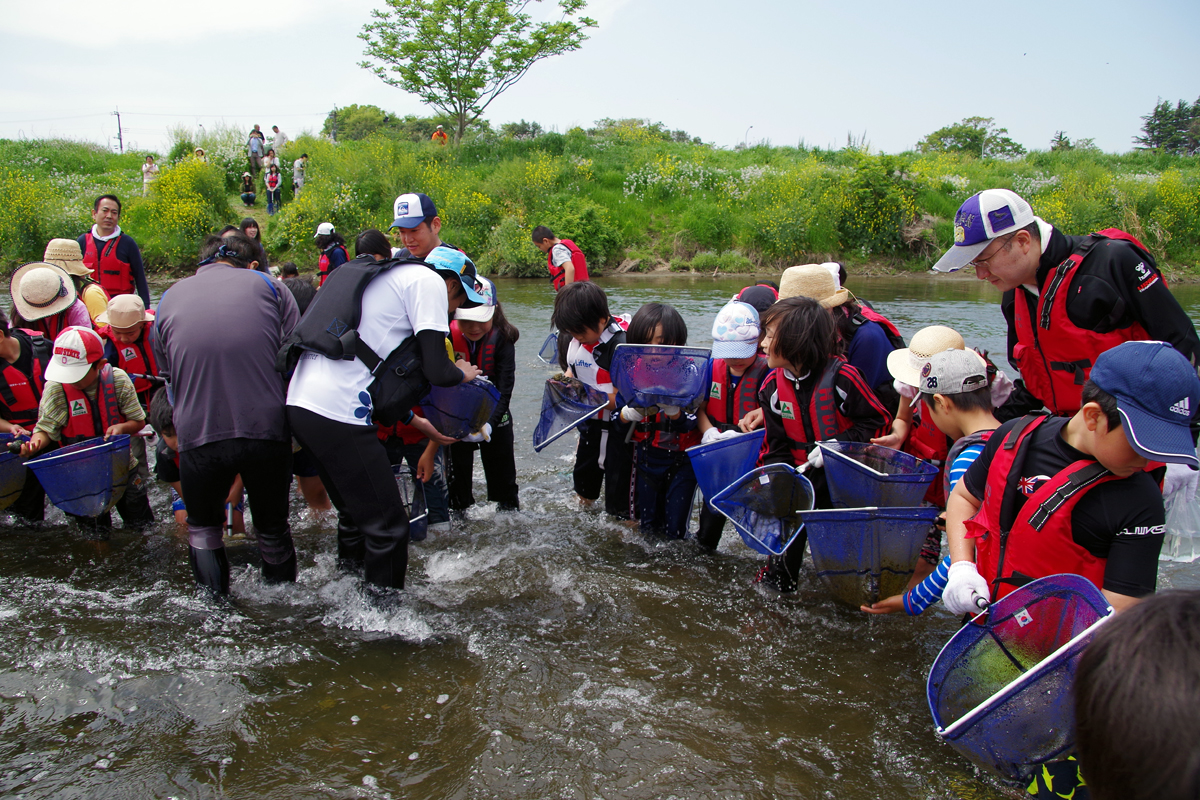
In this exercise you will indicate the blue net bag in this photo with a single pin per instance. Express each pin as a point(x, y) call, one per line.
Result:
point(458, 411)
point(765, 506)
point(87, 478)
point(549, 349)
point(862, 475)
point(719, 464)
point(412, 494)
point(660, 375)
point(12, 472)
point(566, 404)
point(1000, 690)
point(864, 554)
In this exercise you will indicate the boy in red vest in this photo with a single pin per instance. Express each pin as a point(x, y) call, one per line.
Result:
point(565, 261)
point(130, 348)
point(1053, 495)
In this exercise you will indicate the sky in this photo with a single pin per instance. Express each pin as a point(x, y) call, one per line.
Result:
point(782, 71)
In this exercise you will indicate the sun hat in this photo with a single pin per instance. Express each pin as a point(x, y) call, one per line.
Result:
point(451, 263)
point(812, 280)
point(41, 290)
point(485, 310)
point(759, 296)
point(410, 210)
point(247, 175)
point(906, 363)
point(835, 269)
point(983, 217)
point(124, 311)
point(735, 331)
point(65, 254)
point(324, 229)
point(1157, 394)
point(75, 350)
point(954, 372)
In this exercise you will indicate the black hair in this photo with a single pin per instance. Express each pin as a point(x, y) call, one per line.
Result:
point(649, 317)
point(4, 329)
point(229, 229)
point(977, 400)
point(301, 290)
point(162, 415)
point(113, 197)
point(1108, 404)
point(289, 270)
point(304, 155)
point(541, 233)
point(803, 335)
point(326, 239)
point(1136, 698)
point(500, 323)
point(843, 320)
point(578, 307)
point(373, 242)
point(1034, 231)
point(236, 249)
point(772, 284)
point(251, 222)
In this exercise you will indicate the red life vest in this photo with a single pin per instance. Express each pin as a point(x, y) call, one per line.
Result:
point(22, 393)
point(726, 409)
point(820, 419)
point(114, 275)
point(405, 433)
point(1039, 541)
point(654, 429)
point(138, 359)
point(485, 348)
point(52, 325)
point(323, 268)
point(1056, 363)
point(558, 274)
point(87, 418)
point(927, 442)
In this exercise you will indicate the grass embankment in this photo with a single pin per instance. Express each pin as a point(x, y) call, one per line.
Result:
point(630, 198)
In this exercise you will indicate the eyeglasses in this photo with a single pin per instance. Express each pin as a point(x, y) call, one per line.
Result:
point(983, 262)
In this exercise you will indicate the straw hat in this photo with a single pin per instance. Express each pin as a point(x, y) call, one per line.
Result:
point(41, 290)
point(65, 253)
point(906, 363)
point(813, 280)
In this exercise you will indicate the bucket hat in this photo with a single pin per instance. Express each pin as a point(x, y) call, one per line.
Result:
point(813, 281)
point(65, 253)
point(906, 363)
point(124, 311)
point(41, 290)
point(735, 331)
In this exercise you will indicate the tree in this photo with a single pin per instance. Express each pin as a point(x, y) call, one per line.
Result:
point(977, 136)
point(460, 55)
point(1172, 130)
point(358, 122)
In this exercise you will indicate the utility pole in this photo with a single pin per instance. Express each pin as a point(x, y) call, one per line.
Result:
point(120, 141)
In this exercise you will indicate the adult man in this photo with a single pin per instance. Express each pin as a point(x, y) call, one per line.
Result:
point(419, 225)
point(564, 260)
point(255, 146)
point(439, 136)
point(298, 169)
point(280, 139)
point(217, 336)
point(113, 256)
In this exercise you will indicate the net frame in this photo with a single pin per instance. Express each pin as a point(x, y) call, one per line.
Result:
point(726, 503)
point(442, 407)
point(854, 483)
point(630, 371)
point(106, 473)
point(582, 411)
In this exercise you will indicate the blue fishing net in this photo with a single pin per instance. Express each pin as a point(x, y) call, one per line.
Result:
point(660, 375)
point(566, 404)
point(865, 554)
point(765, 506)
point(719, 464)
point(412, 494)
point(458, 411)
point(12, 472)
point(861, 475)
point(1000, 690)
point(549, 349)
point(85, 479)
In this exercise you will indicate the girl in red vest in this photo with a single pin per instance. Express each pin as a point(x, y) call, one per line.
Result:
point(484, 337)
point(810, 396)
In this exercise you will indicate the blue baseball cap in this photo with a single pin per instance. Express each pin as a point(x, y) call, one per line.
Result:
point(410, 210)
point(1157, 394)
point(451, 263)
point(983, 217)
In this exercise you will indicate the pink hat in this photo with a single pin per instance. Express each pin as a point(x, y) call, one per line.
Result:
point(75, 350)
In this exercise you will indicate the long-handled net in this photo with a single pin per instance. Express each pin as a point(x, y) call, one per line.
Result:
point(87, 478)
point(765, 506)
point(722, 462)
point(457, 411)
point(861, 475)
point(660, 375)
point(566, 404)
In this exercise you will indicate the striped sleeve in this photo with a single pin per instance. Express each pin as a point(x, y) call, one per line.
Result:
point(964, 460)
point(928, 591)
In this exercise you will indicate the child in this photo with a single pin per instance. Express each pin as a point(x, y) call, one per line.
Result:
point(44, 299)
point(85, 398)
point(24, 356)
point(956, 395)
point(811, 395)
point(665, 481)
point(581, 313)
point(407, 445)
point(484, 337)
point(738, 370)
point(1072, 495)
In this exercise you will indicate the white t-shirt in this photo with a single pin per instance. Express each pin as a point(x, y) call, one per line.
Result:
point(395, 305)
point(559, 255)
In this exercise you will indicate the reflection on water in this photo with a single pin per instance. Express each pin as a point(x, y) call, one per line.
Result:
point(547, 653)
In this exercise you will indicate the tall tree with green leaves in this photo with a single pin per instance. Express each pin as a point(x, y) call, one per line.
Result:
point(460, 55)
point(977, 136)
point(1171, 129)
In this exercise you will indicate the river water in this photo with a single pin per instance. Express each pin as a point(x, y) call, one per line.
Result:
point(550, 653)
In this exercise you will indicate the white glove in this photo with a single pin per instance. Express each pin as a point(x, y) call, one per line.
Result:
point(484, 434)
point(816, 459)
point(631, 414)
point(1180, 483)
point(711, 435)
point(670, 411)
point(964, 588)
point(729, 434)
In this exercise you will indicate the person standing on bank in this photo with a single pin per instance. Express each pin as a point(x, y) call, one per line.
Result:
point(113, 256)
point(217, 335)
point(330, 408)
point(565, 261)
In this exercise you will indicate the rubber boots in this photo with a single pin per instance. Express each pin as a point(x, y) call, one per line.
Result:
point(280, 573)
point(211, 568)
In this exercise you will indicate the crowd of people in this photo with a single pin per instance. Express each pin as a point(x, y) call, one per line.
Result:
point(250, 380)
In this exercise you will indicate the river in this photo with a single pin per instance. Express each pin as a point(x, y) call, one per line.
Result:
point(550, 653)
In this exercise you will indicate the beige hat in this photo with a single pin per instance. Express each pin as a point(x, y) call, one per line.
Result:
point(124, 311)
point(813, 280)
point(41, 290)
point(65, 253)
point(906, 363)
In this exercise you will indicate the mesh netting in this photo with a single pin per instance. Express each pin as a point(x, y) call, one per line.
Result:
point(765, 505)
point(1000, 690)
point(660, 375)
point(865, 554)
point(85, 479)
point(12, 473)
point(719, 464)
point(861, 475)
point(566, 403)
point(549, 349)
point(458, 411)
point(412, 494)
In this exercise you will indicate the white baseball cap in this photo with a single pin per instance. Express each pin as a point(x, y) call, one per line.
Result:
point(75, 350)
point(986, 215)
point(485, 310)
point(324, 229)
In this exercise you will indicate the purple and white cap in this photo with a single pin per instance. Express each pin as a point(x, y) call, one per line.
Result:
point(986, 215)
